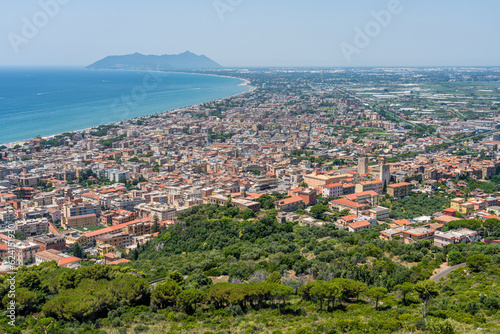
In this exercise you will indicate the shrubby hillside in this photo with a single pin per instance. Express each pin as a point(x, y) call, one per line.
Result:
point(224, 271)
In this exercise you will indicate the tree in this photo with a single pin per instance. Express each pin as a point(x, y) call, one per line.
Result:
point(25, 301)
point(188, 299)
point(303, 184)
point(266, 202)
point(345, 212)
point(281, 293)
point(333, 291)
point(19, 235)
point(45, 325)
point(156, 227)
point(78, 251)
point(490, 225)
point(477, 262)
point(198, 279)
point(248, 213)
point(165, 295)
point(405, 289)
point(176, 277)
point(377, 293)
point(427, 289)
point(455, 257)
point(275, 277)
point(319, 292)
point(318, 210)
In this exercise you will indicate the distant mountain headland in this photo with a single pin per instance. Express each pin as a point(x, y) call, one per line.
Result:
point(180, 62)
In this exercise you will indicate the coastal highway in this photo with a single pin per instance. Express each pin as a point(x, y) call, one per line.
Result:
point(445, 272)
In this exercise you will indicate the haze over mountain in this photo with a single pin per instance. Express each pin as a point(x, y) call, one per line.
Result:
point(137, 61)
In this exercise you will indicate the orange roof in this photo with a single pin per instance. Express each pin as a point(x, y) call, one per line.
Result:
point(346, 202)
point(358, 224)
point(290, 200)
point(68, 260)
point(112, 228)
point(402, 222)
point(356, 195)
point(396, 185)
point(53, 229)
point(255, 195)
point(371, 182)
point(167, 222)
point(333, 185)
point(91, 195)
point(118, 261)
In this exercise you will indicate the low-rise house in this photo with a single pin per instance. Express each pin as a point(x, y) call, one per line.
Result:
point(289, 204)
point(379, 213)
point(358, 226)
point(452, 237)
point(417, 234)
point(63, 260)
point(353, 207)
point(392, 233)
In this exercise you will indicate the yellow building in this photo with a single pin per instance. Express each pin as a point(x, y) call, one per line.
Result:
point(314, 179)
point(79, 221)
point(76, 238)
point(466, 208)
point(138, 229)
point(455, 203)
point(117, 240)
point(104, 249)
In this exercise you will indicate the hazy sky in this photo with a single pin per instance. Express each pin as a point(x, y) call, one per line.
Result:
point(254, 32)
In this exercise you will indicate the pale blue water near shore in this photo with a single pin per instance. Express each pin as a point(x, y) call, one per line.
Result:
point(48, 101)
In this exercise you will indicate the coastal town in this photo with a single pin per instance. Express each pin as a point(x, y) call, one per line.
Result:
point(317, 147)
point(250, 167)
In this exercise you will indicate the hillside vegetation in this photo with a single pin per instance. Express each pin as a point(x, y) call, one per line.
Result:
point(225, 274)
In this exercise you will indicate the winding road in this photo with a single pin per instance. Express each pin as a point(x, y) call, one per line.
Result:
point(446, 271)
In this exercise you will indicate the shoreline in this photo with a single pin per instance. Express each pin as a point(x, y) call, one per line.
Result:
point(245, 83)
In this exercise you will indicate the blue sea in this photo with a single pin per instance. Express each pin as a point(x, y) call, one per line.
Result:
point(48, 101)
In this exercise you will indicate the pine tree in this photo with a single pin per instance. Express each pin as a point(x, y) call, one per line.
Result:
point(78, 251)
point(156, 227)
